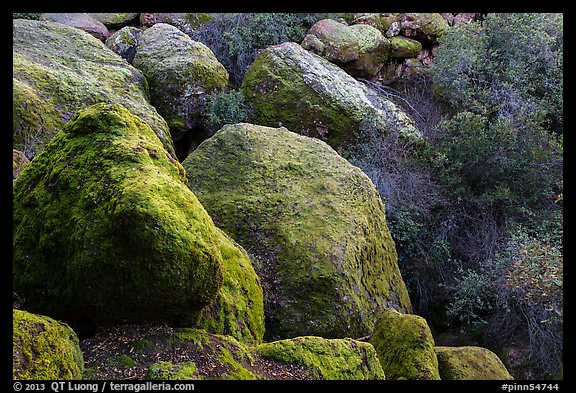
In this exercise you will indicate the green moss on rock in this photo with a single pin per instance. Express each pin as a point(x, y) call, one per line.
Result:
point(405, 346)
point(58, 70)
point(470, 363)
point(290, 86)
point(238, 309)
point(44, 349)
point(404, 48)
point(168, 371)
point(19, 162)
point(333, 359)
point(314, 225)
point(106, 229)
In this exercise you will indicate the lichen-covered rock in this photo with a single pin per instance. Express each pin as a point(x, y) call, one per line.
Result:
point(182, 74)
point(470, 363)
point(361, 50)
point(44, 349)
point(184, 21)
point(114, 20)
point(238, 309)
point(403, 47)
point(333, 359)
point(124, 42)
point(79, 20)
point(19, 162)
point(424, 27)
point(380, 21)
point(58, 70)
point(313, 224)
point(290, 86)
point(105, 228)
point(405, 346)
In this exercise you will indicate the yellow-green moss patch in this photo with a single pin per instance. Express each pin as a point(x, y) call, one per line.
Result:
point(470, 363)
point(405, 346)
point(333, 359)
point(44, 349)
point(106, 229)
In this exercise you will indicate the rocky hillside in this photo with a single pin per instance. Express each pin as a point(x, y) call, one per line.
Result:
point(147, 245)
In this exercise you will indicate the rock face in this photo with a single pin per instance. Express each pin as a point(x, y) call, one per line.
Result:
point(58, 70)
point(136, 245)
point(80, 21)
point(313, 224)
point(124, 42)
point(361, 50)
point(182, 74)
point(470, 363)
point(405, 346)
point(238, 309)
point(148, 353)
point(404, 48)
point(19, 162)
point(44, 349)
point(290, 86)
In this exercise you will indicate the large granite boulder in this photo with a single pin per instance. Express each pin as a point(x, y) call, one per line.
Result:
point(182, 74)
point(361, 50)
point(313, 225)
point(292, 87)
point(58, 70)
point(106, 231)
point(44, 349)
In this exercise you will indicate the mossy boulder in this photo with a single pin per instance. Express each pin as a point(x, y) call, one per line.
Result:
point(361, 50)
point(44, 349)
point(19, 162)
point(380, 21)
point(313, 225)
point(182, 74)
point(105, 229)
point(124, 42)
point(58, 70)
point(79, 20)
point(404, 47)
point(424, 27)
point(185, 21)
point(405, 346)
point(114, 20)
point(332, 359)
point(290, 86)
point(470, 363)
point(238, 309)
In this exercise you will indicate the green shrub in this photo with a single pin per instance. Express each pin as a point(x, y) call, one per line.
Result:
point(226, 108)
point(26, 15)
point(509, 65)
